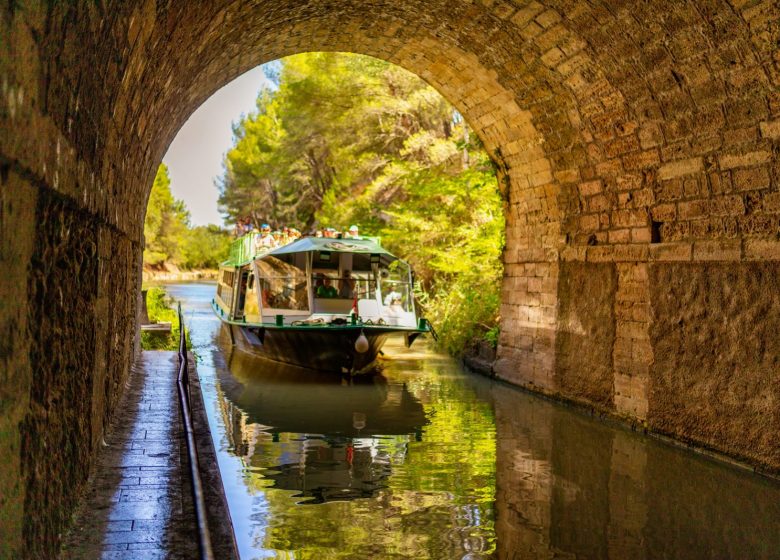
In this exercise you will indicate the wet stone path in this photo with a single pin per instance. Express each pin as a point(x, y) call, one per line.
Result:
point(138, 504)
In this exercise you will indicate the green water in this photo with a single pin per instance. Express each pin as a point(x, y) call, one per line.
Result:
point(426, 461)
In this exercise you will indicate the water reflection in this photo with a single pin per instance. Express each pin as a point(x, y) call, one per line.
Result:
point(424, 461)
point(389, 464)
point(289, 399)
point(569, 486)
point(328, 470)
point(335, 457)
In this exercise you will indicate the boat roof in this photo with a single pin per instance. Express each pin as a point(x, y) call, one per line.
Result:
point(243, 250)
point(307, 244)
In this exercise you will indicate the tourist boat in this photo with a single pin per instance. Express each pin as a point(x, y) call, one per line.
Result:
point(320, 303)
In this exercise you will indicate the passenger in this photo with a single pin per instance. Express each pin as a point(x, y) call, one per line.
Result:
point(393, 298)
point(353, 232)
point(326, 290)
point(248, 227)
point(347, 286)
point(265, 240)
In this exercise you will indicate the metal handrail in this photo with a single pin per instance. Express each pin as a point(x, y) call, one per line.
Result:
point(183, 384)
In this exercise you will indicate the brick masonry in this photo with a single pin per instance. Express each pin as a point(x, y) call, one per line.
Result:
point(629, 137)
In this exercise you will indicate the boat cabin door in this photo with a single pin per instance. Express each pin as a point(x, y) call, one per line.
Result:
point(243, 280)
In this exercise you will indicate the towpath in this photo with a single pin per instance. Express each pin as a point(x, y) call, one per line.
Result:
point(139, 504)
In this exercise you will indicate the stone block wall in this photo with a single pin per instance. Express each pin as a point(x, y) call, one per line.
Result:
point(636, 146)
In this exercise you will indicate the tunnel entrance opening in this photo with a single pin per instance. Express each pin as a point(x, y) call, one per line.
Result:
point(333, 139)
point(602, 120)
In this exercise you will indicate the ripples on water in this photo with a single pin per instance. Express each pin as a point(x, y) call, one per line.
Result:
point(424, 461)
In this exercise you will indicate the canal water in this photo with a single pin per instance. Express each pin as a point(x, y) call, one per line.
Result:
point(427, 461)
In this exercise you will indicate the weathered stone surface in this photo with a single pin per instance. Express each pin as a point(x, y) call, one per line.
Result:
point(17, 218)
point(57, 430)
point(586, 332)
point(716, 356)
point(613, 124)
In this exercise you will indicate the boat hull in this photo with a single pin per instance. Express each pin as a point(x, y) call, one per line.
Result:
point(319, 348)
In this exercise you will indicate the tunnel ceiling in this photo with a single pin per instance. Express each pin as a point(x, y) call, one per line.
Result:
point(561, 92)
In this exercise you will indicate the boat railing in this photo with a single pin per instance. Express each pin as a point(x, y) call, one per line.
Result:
point(183, 385)
point(244, 248)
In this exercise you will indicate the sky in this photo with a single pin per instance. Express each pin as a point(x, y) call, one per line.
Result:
point(194, 158)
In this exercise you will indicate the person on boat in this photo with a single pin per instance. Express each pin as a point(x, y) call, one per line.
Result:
point(326, 290)
point(393, 298)
point(265, 240)
point(347, 286)
point(353, 232)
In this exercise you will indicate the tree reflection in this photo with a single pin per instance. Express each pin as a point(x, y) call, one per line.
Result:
point(400, 464)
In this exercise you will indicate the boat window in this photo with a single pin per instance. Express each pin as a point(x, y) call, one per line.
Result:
point(288, 258)
point(282, 285)
point(365, 284)
point(361, 261)
point(251, 283)
point(225, 287)
point(396, 286)
point(326, 260)
point(285, 293)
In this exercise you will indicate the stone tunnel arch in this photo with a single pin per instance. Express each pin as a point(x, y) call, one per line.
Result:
point(637, 145)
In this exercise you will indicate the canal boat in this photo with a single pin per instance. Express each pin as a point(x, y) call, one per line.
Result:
point(320, 303)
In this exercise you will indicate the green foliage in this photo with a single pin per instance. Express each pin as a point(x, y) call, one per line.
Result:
point(450, 227)
point(169, 236)
point(329, 127)
point(205, 247)
point(160, 309)
point(351, 139)
point(166, 222)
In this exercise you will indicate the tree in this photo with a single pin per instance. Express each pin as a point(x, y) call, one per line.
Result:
point(206, 247)
point(167, 220)
point(170, 238)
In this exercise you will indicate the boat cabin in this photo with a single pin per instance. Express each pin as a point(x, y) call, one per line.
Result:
point(316, 278)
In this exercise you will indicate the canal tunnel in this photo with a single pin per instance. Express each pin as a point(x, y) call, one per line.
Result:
point(637, 151)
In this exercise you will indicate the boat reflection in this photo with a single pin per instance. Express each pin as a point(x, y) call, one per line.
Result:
point(328, 470)
point(318, 434)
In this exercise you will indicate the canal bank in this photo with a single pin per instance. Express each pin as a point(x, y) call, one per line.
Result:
point(152, 276)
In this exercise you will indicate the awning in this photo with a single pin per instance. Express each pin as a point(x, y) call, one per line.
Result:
point(307, 244)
